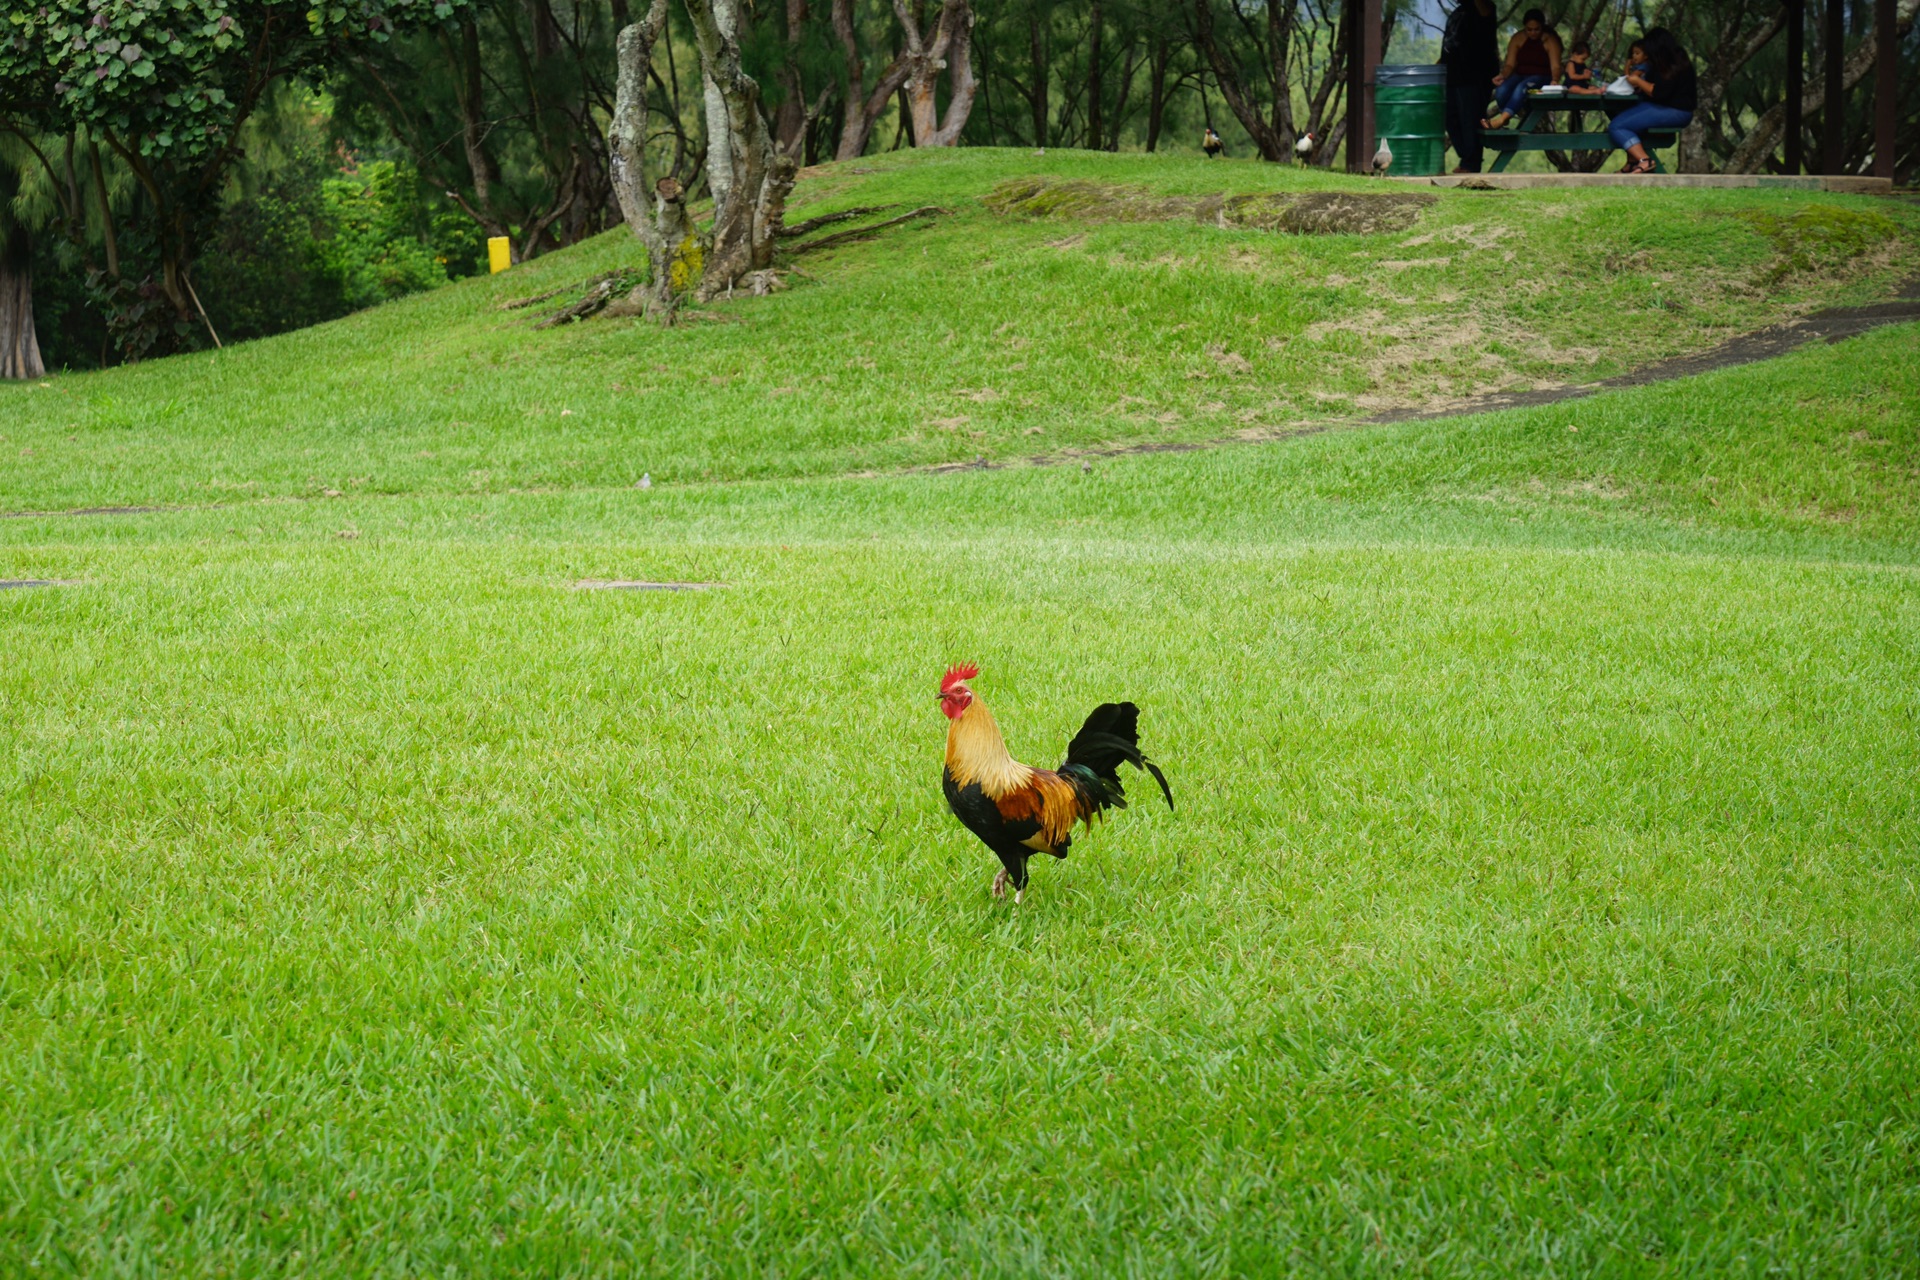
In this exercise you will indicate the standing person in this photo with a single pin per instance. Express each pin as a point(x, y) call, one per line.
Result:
point(1533, 59)
point(1470, 51)
point(1669, 92)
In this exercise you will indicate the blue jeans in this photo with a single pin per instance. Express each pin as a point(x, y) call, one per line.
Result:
point(1511, 93)
point(1625, 129)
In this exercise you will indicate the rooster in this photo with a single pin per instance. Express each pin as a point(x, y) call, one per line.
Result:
point(1211, 144)
point(1017, 810)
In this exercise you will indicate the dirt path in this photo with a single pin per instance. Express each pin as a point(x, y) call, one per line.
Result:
point(1831, 325)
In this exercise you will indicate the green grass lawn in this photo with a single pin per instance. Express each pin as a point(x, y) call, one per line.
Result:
point(974, 335)
point(1541, 899)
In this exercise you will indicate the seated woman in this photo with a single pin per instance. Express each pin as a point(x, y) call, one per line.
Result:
point(1669, 92)
point(1579, 69)
point(1533, 59)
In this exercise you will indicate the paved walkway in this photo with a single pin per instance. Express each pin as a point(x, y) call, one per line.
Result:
point(1533, 181)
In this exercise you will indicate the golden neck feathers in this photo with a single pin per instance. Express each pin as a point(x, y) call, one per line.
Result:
point(977, 753)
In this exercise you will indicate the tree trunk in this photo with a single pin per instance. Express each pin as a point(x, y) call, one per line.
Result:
point(1157, 90)
point(19, 342)
point(656, 212)
point(750, 199)
point(1758, 146)
point(790, 124)
point(1040, 63)
point(1279, 46)
point(952, 47)
point(1329, 133)
point(1094, 87)
point(863, 108)
point(1227, 76)
point(473, 129)
point(1731, 52)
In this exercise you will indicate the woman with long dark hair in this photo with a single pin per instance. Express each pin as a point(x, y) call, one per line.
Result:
point(1533, 59)
point(1669, 91)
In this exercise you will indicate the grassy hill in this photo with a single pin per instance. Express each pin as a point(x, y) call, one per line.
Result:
point(977, 334)
point(1541, 895)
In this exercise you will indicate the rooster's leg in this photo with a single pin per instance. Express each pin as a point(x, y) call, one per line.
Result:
point(1000, 884)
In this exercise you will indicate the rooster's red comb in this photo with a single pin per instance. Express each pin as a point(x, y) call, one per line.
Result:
point(957, 673)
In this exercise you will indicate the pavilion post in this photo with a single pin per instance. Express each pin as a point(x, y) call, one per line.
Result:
point(1796, 83)
point(1886, 87)
point(1363, 58)
point(1833, 113)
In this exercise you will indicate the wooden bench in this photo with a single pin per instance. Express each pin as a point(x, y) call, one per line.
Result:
point(1510, 144)
point(1531, 134)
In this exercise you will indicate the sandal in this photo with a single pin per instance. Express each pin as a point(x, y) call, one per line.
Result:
point(1502, 117)
point(1639, 166)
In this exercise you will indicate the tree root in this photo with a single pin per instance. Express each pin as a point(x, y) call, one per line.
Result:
point(867, 232)
point(519, 303)
point(597, 298)
point(608, 278)
point(828, 219)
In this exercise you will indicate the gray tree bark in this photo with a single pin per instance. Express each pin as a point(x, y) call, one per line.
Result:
point(863, 107)
point(19, 341)
point(656, 210)
point(1717, 70)
point(750, 177)
point(1761, 140)
point(952, 46)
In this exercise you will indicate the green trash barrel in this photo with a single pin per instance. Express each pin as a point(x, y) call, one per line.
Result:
point(1410, 115)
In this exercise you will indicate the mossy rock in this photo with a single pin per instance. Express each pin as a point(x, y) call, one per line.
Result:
point(1821, 237)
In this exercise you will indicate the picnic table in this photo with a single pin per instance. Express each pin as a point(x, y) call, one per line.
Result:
point(1532, 134)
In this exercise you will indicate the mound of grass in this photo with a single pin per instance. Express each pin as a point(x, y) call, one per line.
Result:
point(973, 335)
point(1822, 237)
point(1300, 213)
point(1542, 894)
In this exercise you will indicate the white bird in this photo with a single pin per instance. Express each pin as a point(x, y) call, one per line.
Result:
point(1383, 158)
point(645, 481)
point(1304, 147)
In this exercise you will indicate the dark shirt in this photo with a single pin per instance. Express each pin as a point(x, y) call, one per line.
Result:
point(1530, 59)
point(1470, 46)
point(1681, 90)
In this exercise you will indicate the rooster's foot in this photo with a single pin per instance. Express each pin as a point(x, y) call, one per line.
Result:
point(1000, 884)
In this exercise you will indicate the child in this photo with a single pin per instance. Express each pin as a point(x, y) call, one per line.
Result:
point(1579, 69)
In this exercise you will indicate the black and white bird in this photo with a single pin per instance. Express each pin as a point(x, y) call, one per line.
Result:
point(1304, 147)
point(1382, 159)
point(1211, 144)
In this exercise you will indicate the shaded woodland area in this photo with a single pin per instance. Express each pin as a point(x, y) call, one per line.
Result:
point(174, 178)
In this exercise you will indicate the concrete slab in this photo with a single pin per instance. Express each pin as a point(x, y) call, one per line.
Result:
point(1538, 181)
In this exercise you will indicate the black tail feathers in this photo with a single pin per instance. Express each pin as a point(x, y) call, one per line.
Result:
point(1112, 735)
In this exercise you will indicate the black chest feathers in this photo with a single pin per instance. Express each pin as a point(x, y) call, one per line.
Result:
point(981, 815)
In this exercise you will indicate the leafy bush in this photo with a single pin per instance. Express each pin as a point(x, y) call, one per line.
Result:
point(309, 237)
point(267, 270)
point(384, 243)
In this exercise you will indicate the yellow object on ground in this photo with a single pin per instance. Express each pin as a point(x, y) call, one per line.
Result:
point(499, 254)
